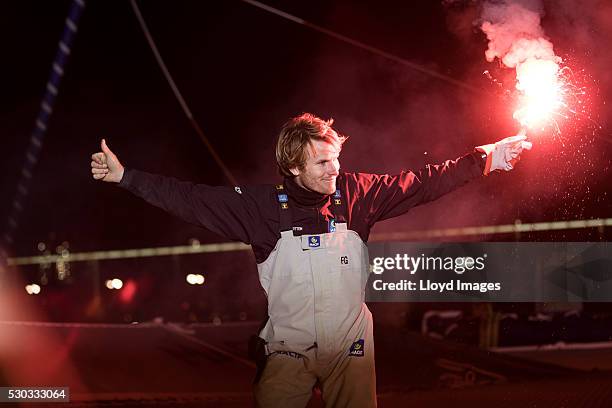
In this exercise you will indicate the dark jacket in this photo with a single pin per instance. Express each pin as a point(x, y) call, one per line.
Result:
point(251, 214)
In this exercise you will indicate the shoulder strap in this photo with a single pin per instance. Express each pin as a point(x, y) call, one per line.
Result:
point(338, 207)
point(286, 222)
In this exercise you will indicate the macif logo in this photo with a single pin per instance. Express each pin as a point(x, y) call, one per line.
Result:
point(357, 349)
point(314, 241)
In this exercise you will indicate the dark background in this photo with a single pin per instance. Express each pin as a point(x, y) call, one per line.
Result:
point(243, 72)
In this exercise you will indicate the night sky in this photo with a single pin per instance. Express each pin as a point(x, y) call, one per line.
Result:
point(244, 71)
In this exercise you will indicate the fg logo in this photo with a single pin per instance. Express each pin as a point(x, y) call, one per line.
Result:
point(344, 260)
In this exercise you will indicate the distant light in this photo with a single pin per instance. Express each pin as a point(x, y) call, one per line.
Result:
point(32, 289)
point(117, 283)
point(195, 279)
point(42, 246)
point(60, 266)
point(114, 283)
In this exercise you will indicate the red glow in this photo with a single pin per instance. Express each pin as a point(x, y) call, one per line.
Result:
point(128, 291)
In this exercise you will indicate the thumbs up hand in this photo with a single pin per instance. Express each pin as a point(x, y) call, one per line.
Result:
point(105, 165)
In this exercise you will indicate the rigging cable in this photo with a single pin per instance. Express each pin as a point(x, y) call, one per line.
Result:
point(177, 93)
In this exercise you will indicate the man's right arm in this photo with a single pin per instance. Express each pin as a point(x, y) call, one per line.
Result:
point(227, 211)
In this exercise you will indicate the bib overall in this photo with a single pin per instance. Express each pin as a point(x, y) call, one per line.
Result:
point(319, 329)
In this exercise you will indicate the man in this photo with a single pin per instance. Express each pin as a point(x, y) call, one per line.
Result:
point(308, 235)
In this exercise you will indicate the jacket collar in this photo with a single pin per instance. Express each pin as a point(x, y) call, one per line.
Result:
point(302, 196)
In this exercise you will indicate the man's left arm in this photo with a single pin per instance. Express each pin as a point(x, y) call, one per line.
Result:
point(386, 196)
point(382, 196)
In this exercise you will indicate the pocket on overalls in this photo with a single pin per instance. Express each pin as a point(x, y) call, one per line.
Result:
point(290, 285)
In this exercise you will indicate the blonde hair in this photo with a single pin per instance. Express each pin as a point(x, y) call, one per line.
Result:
point(295, 137)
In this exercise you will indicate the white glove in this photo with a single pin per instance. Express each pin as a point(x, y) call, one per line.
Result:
point(504, 154)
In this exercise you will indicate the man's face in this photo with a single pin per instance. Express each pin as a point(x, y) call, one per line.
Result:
point(321, 168)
